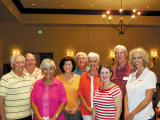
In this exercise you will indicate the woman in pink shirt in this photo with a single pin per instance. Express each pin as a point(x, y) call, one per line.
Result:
point(48, 97)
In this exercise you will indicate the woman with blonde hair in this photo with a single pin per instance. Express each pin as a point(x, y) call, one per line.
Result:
point(140, 87)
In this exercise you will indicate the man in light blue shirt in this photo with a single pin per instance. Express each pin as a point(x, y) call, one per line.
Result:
point(81, 59)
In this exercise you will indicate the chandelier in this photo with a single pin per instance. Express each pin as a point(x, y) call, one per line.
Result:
point(121, 26)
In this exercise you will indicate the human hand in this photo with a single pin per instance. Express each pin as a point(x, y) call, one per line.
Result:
point(53, 118)
point(74, 111)
point(40, 118)
point(90, 110)
point(129, 116)
point(67, 110)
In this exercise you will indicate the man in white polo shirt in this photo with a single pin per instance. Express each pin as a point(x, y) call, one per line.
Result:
point(15, 89)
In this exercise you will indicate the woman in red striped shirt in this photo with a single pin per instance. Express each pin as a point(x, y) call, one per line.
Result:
point(108, 98)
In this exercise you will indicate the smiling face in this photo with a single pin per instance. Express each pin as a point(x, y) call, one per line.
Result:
point(81, 60)
point(30, 62)
point(93, 63)
point(68, 66)
point(48, 72)
point(138, 60)
point(120, 55)
point(105, 74)
point(18, 65)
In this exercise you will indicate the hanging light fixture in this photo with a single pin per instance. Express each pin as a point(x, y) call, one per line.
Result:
point(121, 26)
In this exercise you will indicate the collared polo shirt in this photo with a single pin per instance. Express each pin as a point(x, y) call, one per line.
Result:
point(17, 92)
point(136, 92)
point(120, 77)
point(57, 96)
point(79, 72)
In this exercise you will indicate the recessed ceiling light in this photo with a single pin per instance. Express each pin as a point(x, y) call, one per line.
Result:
point(33, 4)
point(147, 6)
point(92, 5)
point(62, 5)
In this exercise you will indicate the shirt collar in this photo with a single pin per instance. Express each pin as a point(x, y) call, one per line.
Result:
point(54, 81)
point(94, 75)
point(144, 71)
point(77, 69)
point(16, 76)
point(26, 72)
point(124, 67)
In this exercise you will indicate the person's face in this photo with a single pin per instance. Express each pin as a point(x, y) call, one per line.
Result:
point(81, 60)
point(68, 66)
point(105, 74)
point(93, 63)
point(18, 65)
point(138, 60)
point(30, 61)
point(120, 55)
point(48, 72)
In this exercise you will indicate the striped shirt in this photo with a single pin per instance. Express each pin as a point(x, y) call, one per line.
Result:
point(104, 102)
point(17, 92)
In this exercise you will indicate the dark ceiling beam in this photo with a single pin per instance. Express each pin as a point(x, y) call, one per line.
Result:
point(23, 10)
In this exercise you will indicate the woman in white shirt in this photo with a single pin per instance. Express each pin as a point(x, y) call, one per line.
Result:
point(140, 87)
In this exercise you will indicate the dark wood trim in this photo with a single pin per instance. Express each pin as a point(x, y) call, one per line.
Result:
point(23, 10)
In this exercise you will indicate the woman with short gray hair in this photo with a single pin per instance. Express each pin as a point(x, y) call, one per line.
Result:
point(89, 83)
point(48, 97)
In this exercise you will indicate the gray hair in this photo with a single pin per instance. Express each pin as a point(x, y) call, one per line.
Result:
point(12, 59)
point(81, 53)
point(92, 54)
point(120, 46)
point(46, 63)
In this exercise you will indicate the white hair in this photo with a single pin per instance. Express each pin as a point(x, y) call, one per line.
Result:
point(12, 59)
point(81, 53)
point(46, 63)
point(120, 46)
point(92, 54)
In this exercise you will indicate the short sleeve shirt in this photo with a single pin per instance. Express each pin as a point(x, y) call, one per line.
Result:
point(17, 92)
point(104, 102)
point(121, 76)
point(136, 89)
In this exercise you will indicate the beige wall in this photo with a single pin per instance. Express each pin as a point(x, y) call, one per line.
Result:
point(58, 39)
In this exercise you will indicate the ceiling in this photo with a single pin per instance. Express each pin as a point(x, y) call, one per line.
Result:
point(31, 11)
point(151, 5)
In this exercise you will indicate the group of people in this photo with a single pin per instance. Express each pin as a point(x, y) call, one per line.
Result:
point(89, 91)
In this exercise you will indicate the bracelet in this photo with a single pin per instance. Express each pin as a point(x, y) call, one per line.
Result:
point(56, 115)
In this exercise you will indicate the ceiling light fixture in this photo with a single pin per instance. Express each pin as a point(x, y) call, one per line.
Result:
point(121, 26)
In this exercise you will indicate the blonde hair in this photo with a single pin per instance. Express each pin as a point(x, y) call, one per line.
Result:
point(144, 55)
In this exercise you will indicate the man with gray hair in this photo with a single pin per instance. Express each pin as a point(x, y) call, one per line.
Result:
point(81, 59)
point(15, 90)
point(121, 71)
